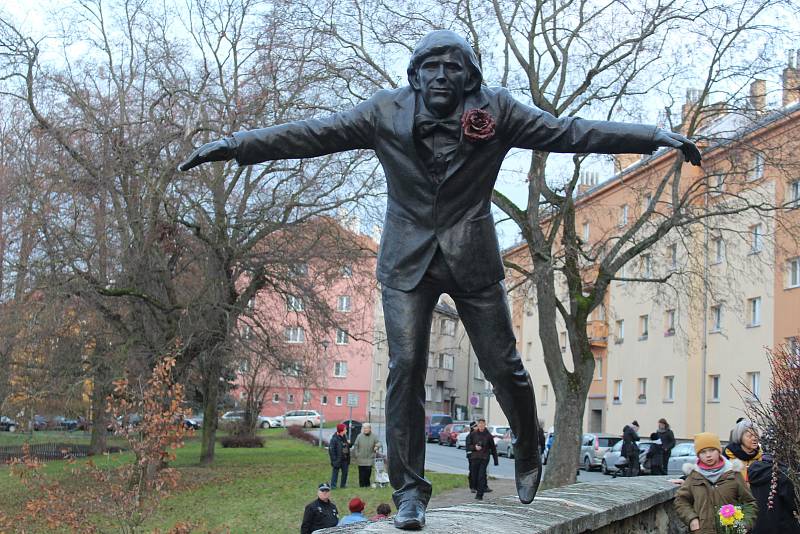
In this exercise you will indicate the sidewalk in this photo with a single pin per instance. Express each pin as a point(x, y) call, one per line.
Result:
point(501, 487)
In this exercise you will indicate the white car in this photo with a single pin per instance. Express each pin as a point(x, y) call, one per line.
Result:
point(270, 422)
point(306, 418)
point(495, 430)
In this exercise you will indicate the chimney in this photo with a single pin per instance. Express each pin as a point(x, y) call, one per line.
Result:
point(791, 79)
point(623, 161)
point(758, 95)
point(688, 107)
point(587, 181)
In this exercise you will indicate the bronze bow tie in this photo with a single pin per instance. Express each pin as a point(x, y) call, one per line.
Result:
point(426, 125)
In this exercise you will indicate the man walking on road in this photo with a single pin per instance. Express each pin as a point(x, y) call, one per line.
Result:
point(482, 446)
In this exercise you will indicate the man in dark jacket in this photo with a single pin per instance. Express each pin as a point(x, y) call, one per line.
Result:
point(468, 447)
point(482, 445)
point(321, 512)
point(630, 449)
point(339, 451)
point(667, 438)
point(780, 519)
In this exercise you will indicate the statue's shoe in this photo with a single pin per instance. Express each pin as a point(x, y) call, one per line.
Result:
point(528, 474)
point(410, 515)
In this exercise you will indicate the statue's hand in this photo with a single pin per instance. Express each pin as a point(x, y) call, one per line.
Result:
point(675, 140)
point(220, 150)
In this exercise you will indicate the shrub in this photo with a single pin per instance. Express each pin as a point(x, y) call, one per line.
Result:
point(299, 432)
point(242, 442)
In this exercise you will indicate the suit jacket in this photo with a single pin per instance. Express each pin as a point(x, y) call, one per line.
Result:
point(454, 214)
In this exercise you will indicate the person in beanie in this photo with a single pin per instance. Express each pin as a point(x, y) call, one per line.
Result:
point(667, 438)
point(482, 446)
point(339, 451)
point(321, 512)
point(744, 444)
point(630, 449)
point(356, 506)
point(364, 448)
point(711, 482)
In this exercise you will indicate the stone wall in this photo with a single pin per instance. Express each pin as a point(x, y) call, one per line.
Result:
point(616, 506)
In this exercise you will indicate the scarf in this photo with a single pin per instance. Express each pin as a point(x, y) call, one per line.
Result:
point(712, 474)
point(735, 450)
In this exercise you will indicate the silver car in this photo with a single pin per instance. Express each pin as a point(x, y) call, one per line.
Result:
point(681, 454)
point(594, 447)
point(612, 457)
point(306, 418)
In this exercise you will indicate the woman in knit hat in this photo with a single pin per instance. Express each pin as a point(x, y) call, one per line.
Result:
point(711, 482)
point(744, 444)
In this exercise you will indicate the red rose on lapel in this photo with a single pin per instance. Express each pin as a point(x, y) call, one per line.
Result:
point(478, 125)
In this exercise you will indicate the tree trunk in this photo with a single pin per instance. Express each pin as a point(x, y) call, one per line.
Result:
point(210, 401)
point(101, 389)
point(562, 463)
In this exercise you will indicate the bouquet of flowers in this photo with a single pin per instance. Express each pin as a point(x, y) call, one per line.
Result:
point(732, 519)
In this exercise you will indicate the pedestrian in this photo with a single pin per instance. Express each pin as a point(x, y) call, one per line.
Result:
point(356, 506)
point(781, 517)
point(655, 455)
point(667, 438)
point(339, 451)
point(542, 438)
point(730, 436)
point(712, 482)
point(382, 512)
point(744, 444)
point(482, 446)
point(473, 487)
point(630, 449)
point(364, 449)
point(321, 512)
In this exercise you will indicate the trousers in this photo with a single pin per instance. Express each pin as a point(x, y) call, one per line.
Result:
point(364, 474)
point(344, 468)
point(486, 319)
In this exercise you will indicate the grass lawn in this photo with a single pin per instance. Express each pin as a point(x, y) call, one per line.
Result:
point(246, 490)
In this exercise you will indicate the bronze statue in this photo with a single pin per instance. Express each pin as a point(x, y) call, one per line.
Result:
point(441, 142)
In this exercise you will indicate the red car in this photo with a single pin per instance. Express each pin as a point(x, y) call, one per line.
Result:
point(449, 434)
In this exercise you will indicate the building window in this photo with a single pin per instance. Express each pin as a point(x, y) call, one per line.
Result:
point(647, 266)
point(756, 238)
point(341, 337)
point(294, 303)
point(447, 327)
point(477, 373)
point(338, 400)
point(669, 388)
point(306, 397)
point(586, 231)
point(644, 327)
point(598, 368)
point(642, 390)
point(713, 388)
point(754, 311)
point(323, 400)
point(647, 202)
point(754, 384)
point(343, 304)
point(340, 369)
point(290, 398)
point(672, 256)
point(428, 393)
point(545, 392)
point(620, 337)
point(794, 272)
point(716, 318)
point(758, 166)
point(717, 250)
point(276, 398)
point(377, 372)
point(447, 361)
point(294, 334)
point(347, 271)
point(244, 366)
point(669, 320)
point(617, 391)
point(432, 359)
point(623, 215)
point(623, 273)
point(247, 332)
point(292, 368)
point(562, 340)
point(793, 344)
point(794, 194)
point(300, 270)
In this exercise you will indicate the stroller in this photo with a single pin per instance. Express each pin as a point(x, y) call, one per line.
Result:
point(381, 476)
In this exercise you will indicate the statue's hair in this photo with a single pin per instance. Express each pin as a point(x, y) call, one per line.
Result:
point(439, 42)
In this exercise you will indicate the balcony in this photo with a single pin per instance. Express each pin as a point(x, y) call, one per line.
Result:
point(597, 331)
point(440, 375)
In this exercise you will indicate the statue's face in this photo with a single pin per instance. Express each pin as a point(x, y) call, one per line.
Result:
point(442, 78)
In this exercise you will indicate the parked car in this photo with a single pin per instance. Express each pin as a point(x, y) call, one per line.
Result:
point(505, 446)
point(353, 429)
point(233, 416)
point(434, 424)
point(40, 422)
point(608, 466)
point(59, 422)
point(449, 434)
point(682, 453)
point(495, 430)
point(306, 418)
point(594, 447)
point(265, 421)
point(7, 424)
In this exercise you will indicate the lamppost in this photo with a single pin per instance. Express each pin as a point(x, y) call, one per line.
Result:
point(324, 344)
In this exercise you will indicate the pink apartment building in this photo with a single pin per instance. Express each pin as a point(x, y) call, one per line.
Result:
point(332, 367)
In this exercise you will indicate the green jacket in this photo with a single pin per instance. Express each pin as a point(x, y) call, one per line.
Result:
point(699, 498)
point(364, 448)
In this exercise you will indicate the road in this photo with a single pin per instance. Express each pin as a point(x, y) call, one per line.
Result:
point(451, 460)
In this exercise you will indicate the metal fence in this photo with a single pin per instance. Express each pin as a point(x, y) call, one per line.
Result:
point(49, 451)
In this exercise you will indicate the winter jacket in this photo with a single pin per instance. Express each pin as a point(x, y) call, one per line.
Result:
point(734, 450)
point(339, 450)
point(780, 519)
point(319, 514)
point(699, 498)
point(486, 441)
point(667, 438)
point(364, 449)
point(629, 448)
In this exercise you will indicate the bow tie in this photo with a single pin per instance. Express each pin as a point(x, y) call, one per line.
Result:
point(427, 124)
